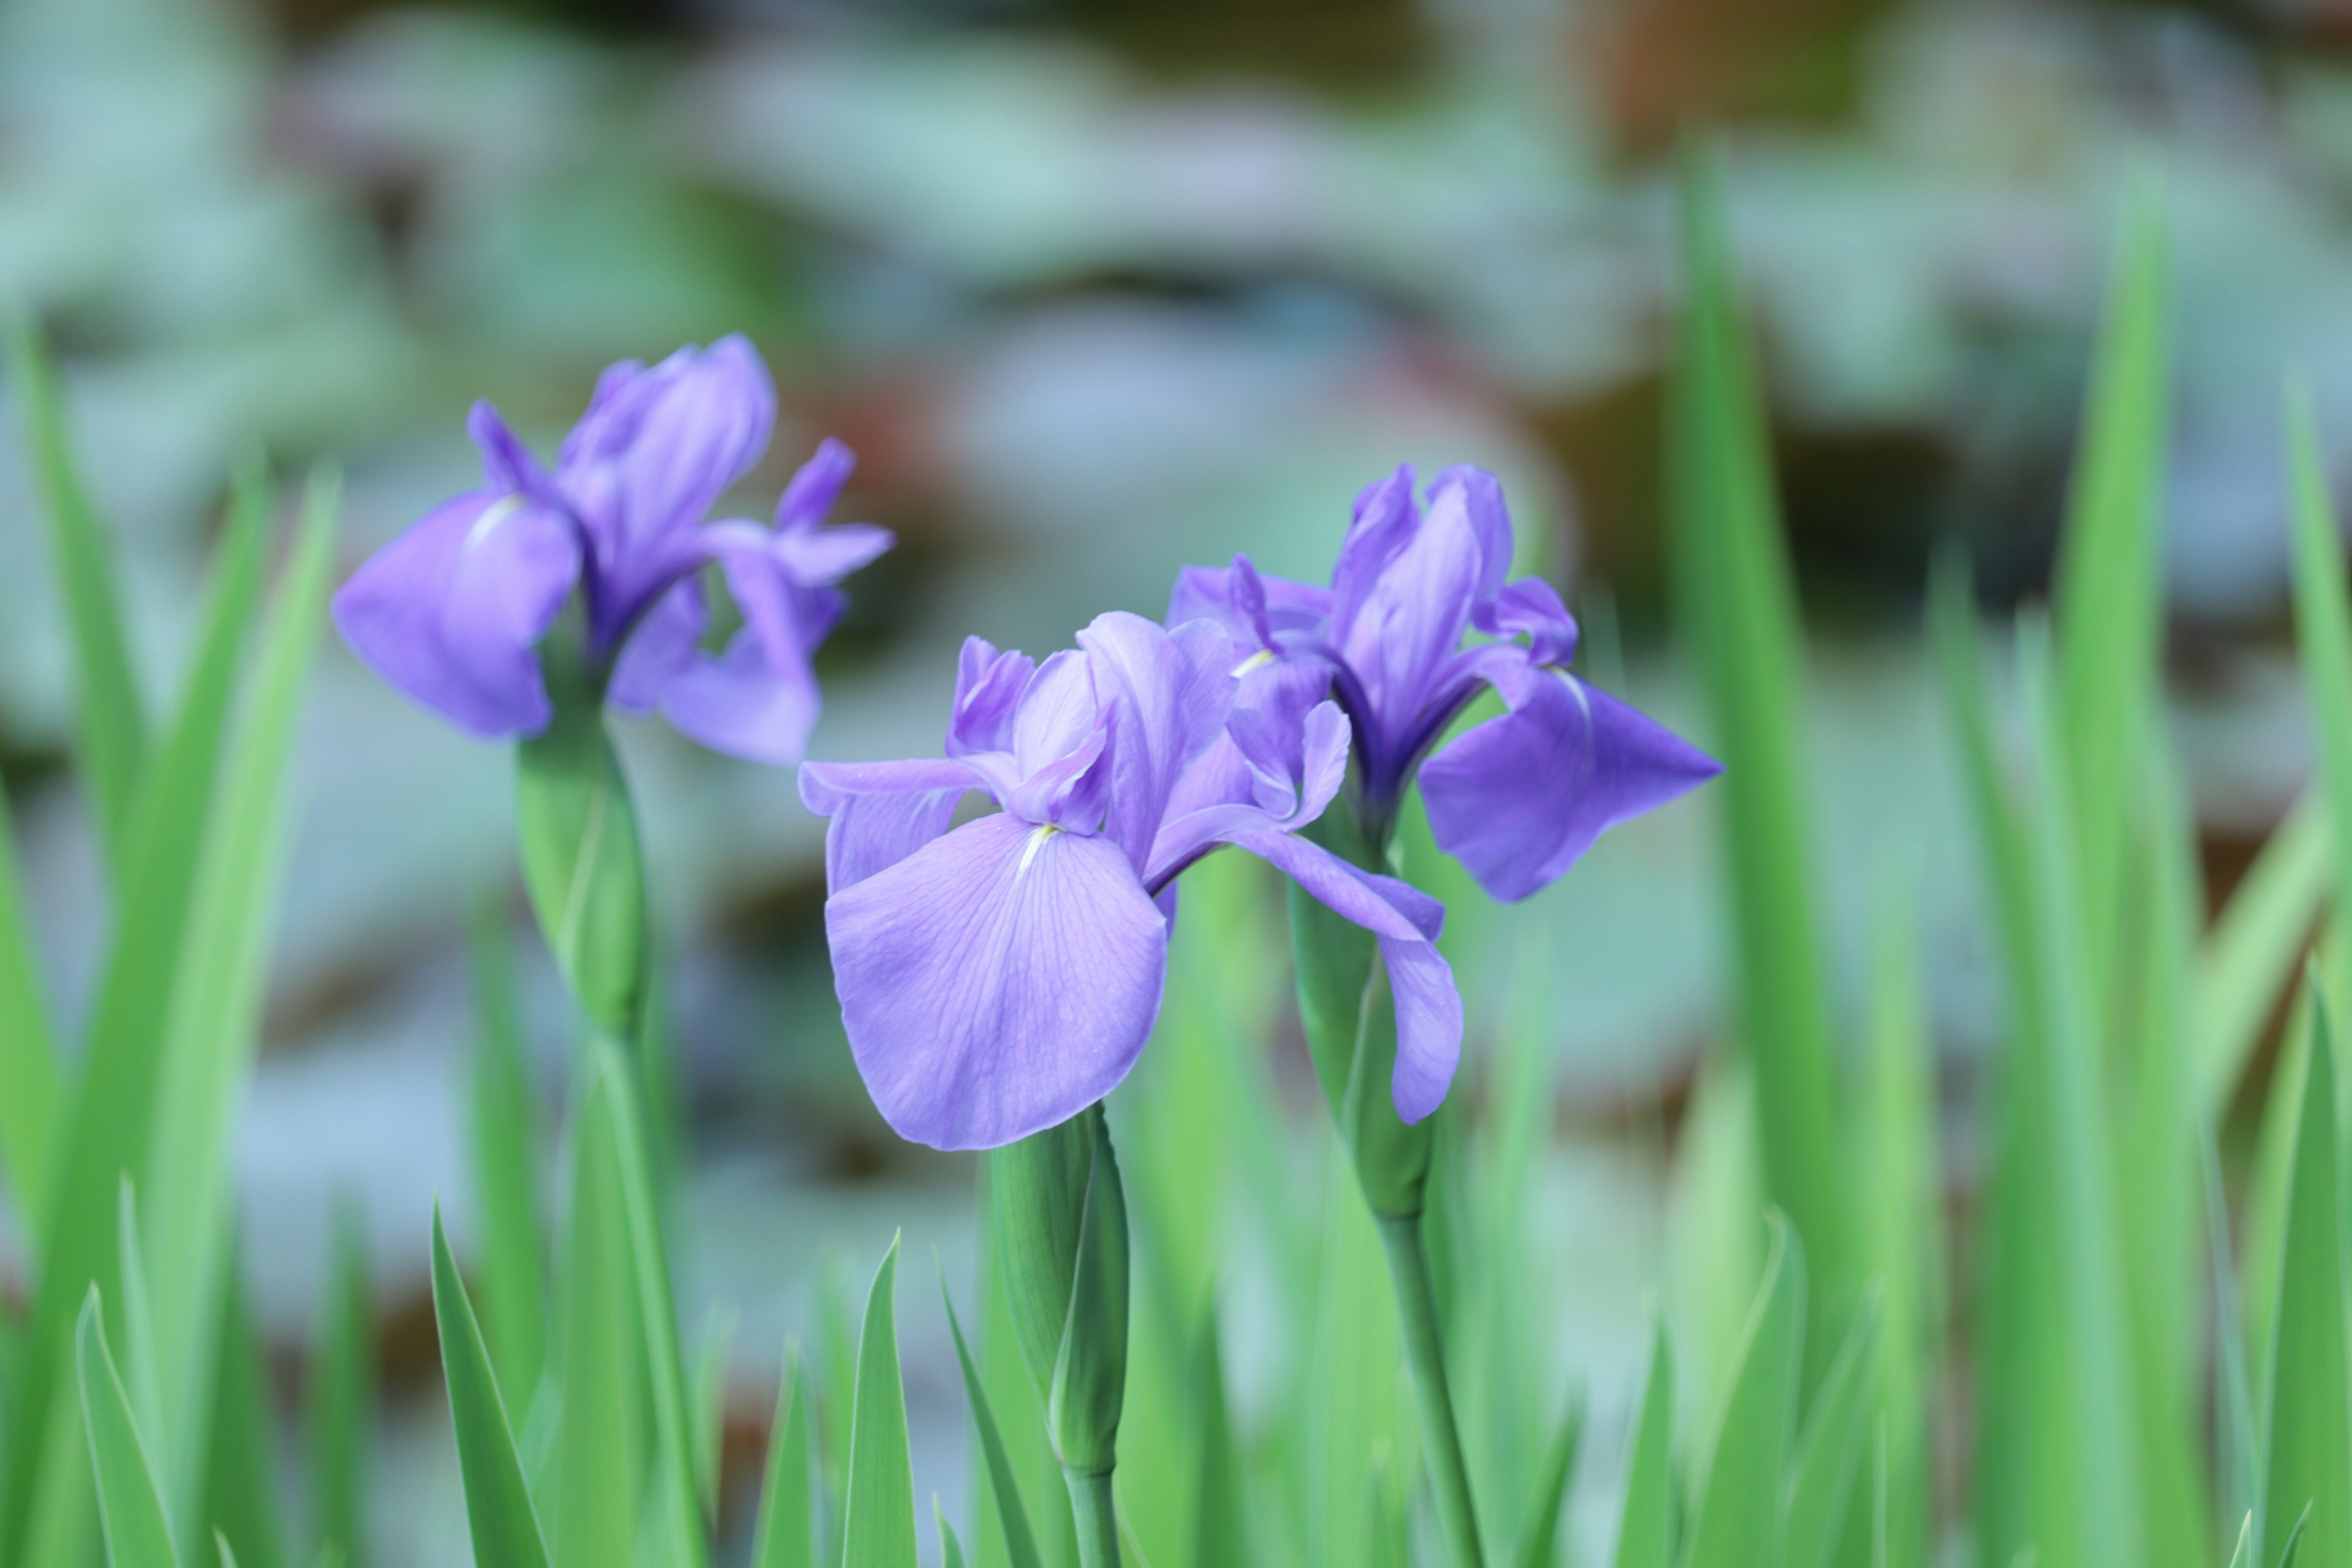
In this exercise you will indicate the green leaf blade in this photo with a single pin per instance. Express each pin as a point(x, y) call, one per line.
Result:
point(138, 1534)
point(786, 1536)
point(878, 1529)
point(498, 1513)
point(1741, 1504)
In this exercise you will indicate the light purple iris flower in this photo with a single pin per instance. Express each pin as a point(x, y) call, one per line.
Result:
point(999, 978)
point(453, 611)
point(1516, 799)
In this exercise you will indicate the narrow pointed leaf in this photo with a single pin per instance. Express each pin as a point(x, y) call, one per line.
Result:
point(950, 1549)
point(1540, 1536)
point(1220, 1531)
point(1737, 604)
point(878, 1529)
point(138, 1534)
point(1829, 1454)
point(678, 1523)
point(112, 732)
point(498, 1513)
point(1646, 1529)
point(2262, 933)
point(1739, 1507)
point(1003, 1480)
point(240, 1494)
point(342, 1397)
point(599, 1461)
point(2310, 1402)
point(31, 1086)
point(504, 1131)
point(786, 1537)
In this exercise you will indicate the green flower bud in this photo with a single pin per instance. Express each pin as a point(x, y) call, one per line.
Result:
point(1061, 1234)
point(581, 860)
point(1350, 1022)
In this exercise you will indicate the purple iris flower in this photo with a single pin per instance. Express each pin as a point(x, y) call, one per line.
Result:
point(453, 611)
point(1516, 799)
point(999, 978)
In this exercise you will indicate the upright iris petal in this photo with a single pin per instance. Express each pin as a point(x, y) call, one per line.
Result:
point(453, 611)
point(1000, 977)
point(1516, 799)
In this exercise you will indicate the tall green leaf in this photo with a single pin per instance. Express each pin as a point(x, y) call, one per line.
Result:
point(497, 1501)
point(879, 1530)
point(138, 1534)
point(109, 1117)
point(1739, 1510)
point(950, 1549)
point(2251, 953)
point(786, 1537)
point(112, 733)
point(504, 1132)
point(1736, 605)
point(1003, 1480)
point(2310, 1395)
point(1646, 1529)
point(240, 1495)
point(677, 1525)
point(714, 1349)
point(1538, 1536)
point(31, 1085)
point(599, 1457)
point(1221, 1529)
point(215, 1017)
point(1828, 1456)
point(2110, 589)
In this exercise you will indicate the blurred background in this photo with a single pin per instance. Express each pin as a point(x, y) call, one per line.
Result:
point(1097, 290)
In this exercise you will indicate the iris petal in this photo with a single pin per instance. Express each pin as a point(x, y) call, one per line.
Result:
point(996, 981)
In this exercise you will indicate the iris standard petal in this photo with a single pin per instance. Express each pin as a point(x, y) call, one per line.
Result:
point(1164, 697)
point(451, 611)
point(1490, 521)
point(878, 814)
point(1408, 622)
point(996, 981)
point(1406, 922)
point(989, 683)
point(708, 427)
point(1520, 797)
point(814, 487)
point(1383, 520)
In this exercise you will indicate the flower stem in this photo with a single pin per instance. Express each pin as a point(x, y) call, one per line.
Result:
point(1097, 1518)
point(1425, 1349)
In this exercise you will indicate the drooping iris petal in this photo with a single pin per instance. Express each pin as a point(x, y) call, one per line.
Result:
point(1406, 922)
point(1519, 798)
point(667, 641)
point(1163, 696)
point(1531, 607)
point(741, 704)
point(996, 981)
point(879, 812)
point(451, 611)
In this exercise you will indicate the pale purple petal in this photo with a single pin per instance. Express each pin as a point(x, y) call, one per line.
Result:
point(703, 432)
point(743, 704)
point(1385, 519)
point(826, 556)
point(451, 612)
point(996, 981)
point(507, 464)
point(1056, 714)
point(989, 683)
point(1405, 921)
point(665, 645)
point(1212, 593)
point(1407, 625)
point(1532, 607)
point(1481, 497)
point(878, 814)
point(814, 487)
point(1519, 798)
point(1164, 696)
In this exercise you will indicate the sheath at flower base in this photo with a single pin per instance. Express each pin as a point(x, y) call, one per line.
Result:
point(999, 978)
point(454, 611)
point(1519, 798)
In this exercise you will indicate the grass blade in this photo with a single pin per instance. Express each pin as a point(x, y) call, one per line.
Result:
point(504, 1133)
point(1828, 1456)
point(2310, 1402)
point(216, 1017)
point(1221, 1529)
point(239, 1494)
point(950, 1549)
point(497, 1501)
point(1003, 1480)
point(110, 1115)
point(138, 1534)
point(112, 732)
point(677, 1527)
point(714, 1350)
point(599, 1460)
point(878, 1522)
point(342, 1397)
point(1737, 602)
point(1646, 1529)
point(786, 1537)
point(1539, 1534)
point(1740, 1504)
point(2250, 956)
point(31, 1086)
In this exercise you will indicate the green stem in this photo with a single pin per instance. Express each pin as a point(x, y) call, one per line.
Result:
point(1424, 1347)
point(1097, 1518)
